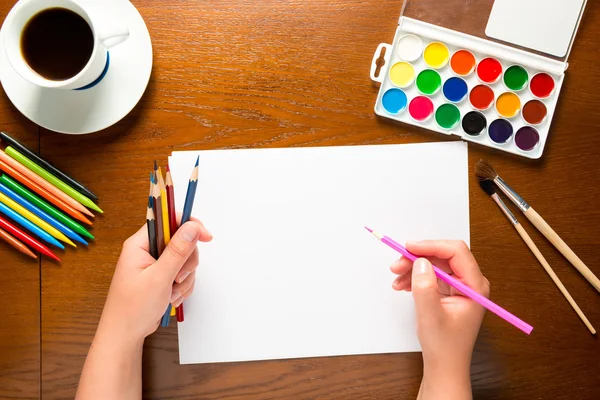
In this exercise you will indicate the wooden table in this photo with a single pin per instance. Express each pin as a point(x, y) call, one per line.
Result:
point(237, 74)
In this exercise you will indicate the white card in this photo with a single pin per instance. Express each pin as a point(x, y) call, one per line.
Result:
point(544, 25)
point(291, 271)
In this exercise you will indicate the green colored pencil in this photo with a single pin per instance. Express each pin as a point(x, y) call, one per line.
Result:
point(41, 204)
point(68, 190)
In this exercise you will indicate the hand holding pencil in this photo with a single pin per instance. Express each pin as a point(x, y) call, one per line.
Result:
point(142, 285)
point(447, 322)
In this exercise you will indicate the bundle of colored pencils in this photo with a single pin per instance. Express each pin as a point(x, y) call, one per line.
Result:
point(161, 220)
point(39, 204)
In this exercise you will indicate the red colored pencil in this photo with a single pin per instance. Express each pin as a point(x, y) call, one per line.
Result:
point(173, 226)
point(171, 202)
point(43, 192)
point(26, 239)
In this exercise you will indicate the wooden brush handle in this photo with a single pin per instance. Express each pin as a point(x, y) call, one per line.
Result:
point(536, 252)
point(566, 251)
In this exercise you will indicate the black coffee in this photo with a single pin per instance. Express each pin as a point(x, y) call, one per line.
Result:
point(57, 43)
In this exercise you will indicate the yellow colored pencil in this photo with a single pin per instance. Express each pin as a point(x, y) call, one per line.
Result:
point(35, 219)
point(165, 209)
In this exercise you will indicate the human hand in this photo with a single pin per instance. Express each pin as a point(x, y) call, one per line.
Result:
point(142, 287)
point(447, 322)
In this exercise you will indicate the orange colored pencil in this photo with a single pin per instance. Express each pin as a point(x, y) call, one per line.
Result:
point(43, 192)
point(44, 183)
point(16, 244)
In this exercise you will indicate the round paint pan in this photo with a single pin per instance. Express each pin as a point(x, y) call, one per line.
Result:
point(473, 123)
point(409, 47)
point(542, 85)
point(394, 101)
point(508, 105)
point(429, 82)
point(447, 116)
point(527, 138)
point(463, 63)
point(420, 108)
point(500, 131)
point(455, 89)
point(534, 112)
point(489, 70)
point(402, 74)
point(481, 97)
point(516, 78)
point(436, 55)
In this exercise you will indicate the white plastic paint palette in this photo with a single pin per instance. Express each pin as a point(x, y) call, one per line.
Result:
point(482, 91)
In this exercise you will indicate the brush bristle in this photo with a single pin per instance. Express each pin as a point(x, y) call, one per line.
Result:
point(488, 187)
point(485, 171)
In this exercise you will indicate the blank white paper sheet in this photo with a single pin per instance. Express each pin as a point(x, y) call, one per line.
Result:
point(291, 271)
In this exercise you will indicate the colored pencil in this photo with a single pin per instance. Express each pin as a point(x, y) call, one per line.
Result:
point(171, 202)
point(44, 206)
point(46, 165)
point(16, 244)
point(190, 195)
point(160, 234)
point(42, 215)
point(31, 227)
point(458, 285)
point(151, 224)
point(187, 214)
point(178, 312)
point(43, 183)
point(51, 179)
point(164, 207)
point(34, 219)
point(27, 239)
point(43, 192)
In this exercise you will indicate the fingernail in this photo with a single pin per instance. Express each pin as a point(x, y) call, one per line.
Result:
point(412, 243)
point(395, 265)
point(178, 302)
point(422, 266)
point(175, 295)
point(397, 280)
point(189, 232)
point(182, 277)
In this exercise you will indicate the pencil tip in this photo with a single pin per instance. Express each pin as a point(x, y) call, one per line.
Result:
point(168, 170)
point(155, 165)
point(369, 229)
point(197, 159)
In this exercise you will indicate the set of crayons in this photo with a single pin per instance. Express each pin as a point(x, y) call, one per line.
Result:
point(40, 206)
point(161, 220)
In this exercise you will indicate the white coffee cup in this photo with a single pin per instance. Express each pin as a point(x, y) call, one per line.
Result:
point(106, 35)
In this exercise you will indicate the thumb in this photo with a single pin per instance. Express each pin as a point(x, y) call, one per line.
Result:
point(425, 292)
point(178, 250)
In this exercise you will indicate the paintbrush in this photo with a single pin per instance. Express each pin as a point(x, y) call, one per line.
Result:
point(485, 171)
point(489, 188)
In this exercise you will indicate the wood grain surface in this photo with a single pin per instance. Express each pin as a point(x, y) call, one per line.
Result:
point(239, 74)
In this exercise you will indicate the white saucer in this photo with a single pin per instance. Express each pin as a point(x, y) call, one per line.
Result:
point(91, 110)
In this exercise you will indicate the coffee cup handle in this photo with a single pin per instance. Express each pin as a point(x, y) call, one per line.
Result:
point(114, 37)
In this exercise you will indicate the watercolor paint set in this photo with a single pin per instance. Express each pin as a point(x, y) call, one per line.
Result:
point(497, 87)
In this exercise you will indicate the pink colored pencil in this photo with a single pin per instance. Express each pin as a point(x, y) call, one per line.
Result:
point(458, 285)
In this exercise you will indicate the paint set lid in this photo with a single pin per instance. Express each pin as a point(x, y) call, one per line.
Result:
point(542, 27)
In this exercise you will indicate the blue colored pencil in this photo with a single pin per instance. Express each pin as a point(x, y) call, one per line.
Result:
point(41, 214)
point(187, 214)
point(31, 227)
